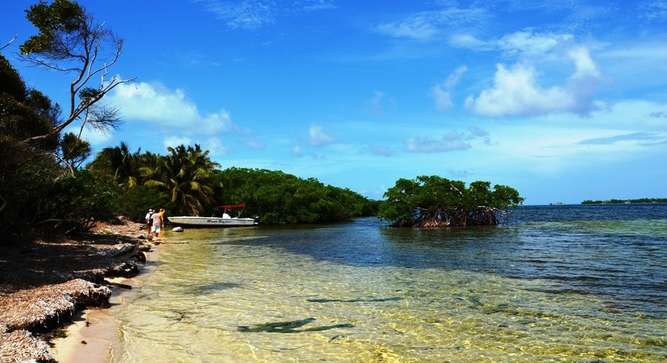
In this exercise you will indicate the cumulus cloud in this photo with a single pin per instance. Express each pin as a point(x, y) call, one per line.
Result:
point(516, 92)
point(318, 137)
point(154, 103)
point(441, 92)
point(212, 144)
point(173, 141)
point(451, 141)
point(426, 25)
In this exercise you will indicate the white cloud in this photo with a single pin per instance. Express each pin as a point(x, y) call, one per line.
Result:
point(318, 137)
point(173, 141)
point(516, 91)
point(254, 14)
point(215, 146)
point(469, 41)
point(426, 25)
point(584, 65)
point(528, 42)
point(312, 5)
point(160, 105)
point(441, 92)
point(244, 14)
point(522, 43)
point(95, 136)
point(451, 141)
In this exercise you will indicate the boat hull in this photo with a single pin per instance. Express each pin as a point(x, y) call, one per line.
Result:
point(212, 222)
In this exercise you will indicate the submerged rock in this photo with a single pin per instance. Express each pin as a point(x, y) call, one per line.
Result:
point(125, 269)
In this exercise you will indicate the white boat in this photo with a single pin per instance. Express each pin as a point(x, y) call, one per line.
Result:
point(212, 221)
point(224, 221)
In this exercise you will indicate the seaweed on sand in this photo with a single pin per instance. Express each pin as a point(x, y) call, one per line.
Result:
point(289, 327)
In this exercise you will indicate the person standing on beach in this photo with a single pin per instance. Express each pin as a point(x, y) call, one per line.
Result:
point(157, 223)
point(149, 222)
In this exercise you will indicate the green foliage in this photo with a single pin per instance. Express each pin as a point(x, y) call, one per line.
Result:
point(74, 150)
point(10, 80)
point(24, 112)
point(279, 198)
point(134, 202)
point(118, 163)
point(55, 21)
point(184, 175)
point(25, 178)
point(432, 198)
point(81, 198)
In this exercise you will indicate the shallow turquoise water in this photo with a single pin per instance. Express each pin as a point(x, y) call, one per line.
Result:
point(574, 286)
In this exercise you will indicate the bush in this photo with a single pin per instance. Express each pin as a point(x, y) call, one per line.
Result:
point(432, 201)
point(80, 200)
point(134, 202)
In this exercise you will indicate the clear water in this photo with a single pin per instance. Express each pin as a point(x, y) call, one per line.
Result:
point(550, 284)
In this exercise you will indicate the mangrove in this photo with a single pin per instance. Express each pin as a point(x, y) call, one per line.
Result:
point(434, 202)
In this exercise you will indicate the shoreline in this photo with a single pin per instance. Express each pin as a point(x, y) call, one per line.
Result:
point(95, 336)
point(56, 287)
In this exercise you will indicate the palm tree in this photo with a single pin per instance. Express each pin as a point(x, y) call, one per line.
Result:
point(186, 175)
point(118, 162)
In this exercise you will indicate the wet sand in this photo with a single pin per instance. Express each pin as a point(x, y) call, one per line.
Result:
point(46, 284)
point(95, 336)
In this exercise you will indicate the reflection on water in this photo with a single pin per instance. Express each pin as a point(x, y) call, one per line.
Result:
point(536, 289)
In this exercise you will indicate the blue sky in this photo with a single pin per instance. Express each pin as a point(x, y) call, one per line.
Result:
point(565, 100)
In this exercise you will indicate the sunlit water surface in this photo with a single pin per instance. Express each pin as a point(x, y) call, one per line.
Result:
point(550, 284)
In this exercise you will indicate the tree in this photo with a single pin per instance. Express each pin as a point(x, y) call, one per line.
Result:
point(70, 41)
point(433, 201)
point(186, 175)
point(280, 198)
point(74, 150)
point(119, 163)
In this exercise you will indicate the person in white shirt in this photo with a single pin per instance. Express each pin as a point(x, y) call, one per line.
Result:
point(149, 221)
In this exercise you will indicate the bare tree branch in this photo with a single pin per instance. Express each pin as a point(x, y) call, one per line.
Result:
point(84, 46)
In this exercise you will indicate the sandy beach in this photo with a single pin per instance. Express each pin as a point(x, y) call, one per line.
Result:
point(55, 294)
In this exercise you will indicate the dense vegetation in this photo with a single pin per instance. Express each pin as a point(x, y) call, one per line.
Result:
point(433, 201)
point(628, 201)
point(279, 198)
point(181, 181)
point(40, 184)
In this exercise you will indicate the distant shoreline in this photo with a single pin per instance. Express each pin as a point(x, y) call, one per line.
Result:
point(641, 201)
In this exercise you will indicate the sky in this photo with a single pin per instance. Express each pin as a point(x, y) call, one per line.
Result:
point(565, 100)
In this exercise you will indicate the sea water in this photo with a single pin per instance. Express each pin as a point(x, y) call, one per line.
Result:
point(551, 284)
